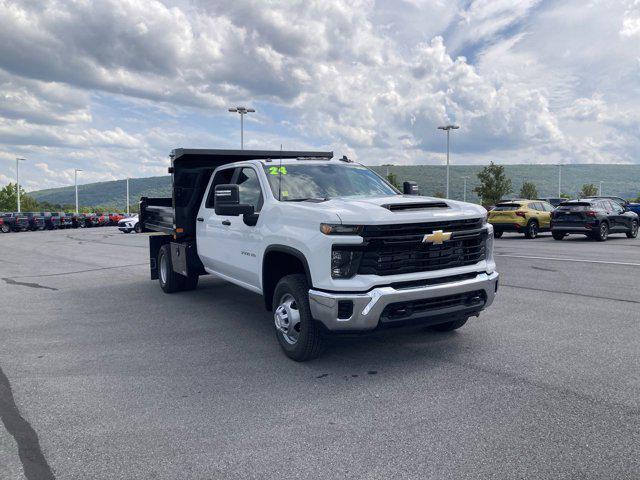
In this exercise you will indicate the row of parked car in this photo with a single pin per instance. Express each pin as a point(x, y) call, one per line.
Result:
point(595, 217)
point(23, 221)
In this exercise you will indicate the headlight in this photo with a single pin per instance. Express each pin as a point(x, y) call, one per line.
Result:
point(344, 263)
point(484, 218)
point(339, 229)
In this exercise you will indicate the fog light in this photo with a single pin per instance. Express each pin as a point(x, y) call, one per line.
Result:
point(344, 263)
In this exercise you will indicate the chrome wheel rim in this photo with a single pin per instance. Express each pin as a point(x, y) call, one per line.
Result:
point(634, 229)
point(287, 319)
point(533, 230)
point(603, 231)
point(163, 269)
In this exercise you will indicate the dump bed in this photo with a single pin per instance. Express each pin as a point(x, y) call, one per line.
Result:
point(190, 172)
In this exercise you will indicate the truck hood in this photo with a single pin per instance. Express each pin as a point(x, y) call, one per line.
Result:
point(398, 209)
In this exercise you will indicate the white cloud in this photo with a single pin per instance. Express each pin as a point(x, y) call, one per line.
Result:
point(113, 86)
point(631, 20)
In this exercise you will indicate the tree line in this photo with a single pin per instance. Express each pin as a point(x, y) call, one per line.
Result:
point(9, 203)
point(494, 186)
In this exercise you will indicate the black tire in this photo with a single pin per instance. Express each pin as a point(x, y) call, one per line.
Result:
point(558, 235)
point(532, 229)
point(497, 233)
point(137, 228)
point(4, 228)
point(449, 326)
point(306, 342)
point(170, 281)
point(633, 233)
point(602, 233)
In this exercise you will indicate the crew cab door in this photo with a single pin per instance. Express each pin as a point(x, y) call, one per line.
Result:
point(227, 244)
point(211, 229)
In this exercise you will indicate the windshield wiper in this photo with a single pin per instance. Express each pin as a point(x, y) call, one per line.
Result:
point(310, 199)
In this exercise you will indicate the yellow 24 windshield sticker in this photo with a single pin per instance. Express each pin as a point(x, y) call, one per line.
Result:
point(277, 170)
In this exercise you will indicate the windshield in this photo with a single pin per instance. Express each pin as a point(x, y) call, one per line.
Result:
point(302, 182)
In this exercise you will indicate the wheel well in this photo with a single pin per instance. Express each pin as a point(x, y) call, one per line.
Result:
point(277, 264)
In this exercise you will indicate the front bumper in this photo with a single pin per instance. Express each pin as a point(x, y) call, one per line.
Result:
point(368, 308)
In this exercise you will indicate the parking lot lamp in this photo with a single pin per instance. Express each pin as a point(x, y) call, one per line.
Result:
point(18, 160)
point(559, 180)
point(448, 128)
point(75, 181)
point(600, 194)
point(127, 195)
point(242, 111)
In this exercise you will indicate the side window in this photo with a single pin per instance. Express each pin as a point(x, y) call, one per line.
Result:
point(221, 177)
point(616, 207)
point(534, 206)
point(249, 187)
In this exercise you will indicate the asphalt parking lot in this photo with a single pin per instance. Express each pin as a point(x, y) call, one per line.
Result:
point(104, 376)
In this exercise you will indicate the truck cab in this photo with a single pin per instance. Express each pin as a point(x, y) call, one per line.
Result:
point(330, 245)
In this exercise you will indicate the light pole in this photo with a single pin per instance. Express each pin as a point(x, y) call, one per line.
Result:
point(18, 160)
point(600, 194)
point(75, 175)
point(559, 180)
point(242, 111)
point(464, 191)
point(448, 128)
point(127, 195)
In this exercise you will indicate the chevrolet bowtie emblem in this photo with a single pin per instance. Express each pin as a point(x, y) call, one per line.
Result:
point(437, 238)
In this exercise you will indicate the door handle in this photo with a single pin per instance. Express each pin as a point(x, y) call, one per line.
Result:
point(200, 219)
point(226, 222)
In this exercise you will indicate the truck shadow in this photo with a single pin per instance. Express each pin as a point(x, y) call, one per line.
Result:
point(363, 353)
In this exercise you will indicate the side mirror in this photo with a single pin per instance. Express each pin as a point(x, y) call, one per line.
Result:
point(410, 188)
point(227, 201)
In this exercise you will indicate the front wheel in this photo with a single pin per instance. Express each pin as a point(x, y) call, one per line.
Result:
point(138, 228)
point(558, 235)
point(4, 228)
point(497, 233)
point(602, 233)
point(633, 233)
point(297, 332)
point(449, 326)
point(532, 230)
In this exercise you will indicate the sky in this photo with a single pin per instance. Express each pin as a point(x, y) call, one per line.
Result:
point(112, 86)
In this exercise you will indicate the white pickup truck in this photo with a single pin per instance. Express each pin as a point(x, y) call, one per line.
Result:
point(330, 245)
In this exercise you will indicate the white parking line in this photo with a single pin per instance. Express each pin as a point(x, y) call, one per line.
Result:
point(579, 260)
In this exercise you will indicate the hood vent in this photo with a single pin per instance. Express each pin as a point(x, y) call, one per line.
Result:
point(414, 206)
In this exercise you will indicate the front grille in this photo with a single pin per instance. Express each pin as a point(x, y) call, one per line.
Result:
point(424, 307)
point(372, 232)
point(392, 252)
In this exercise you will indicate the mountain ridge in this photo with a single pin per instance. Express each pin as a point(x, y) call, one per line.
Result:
point(619, 179)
